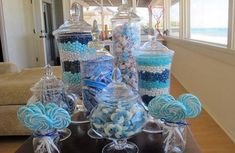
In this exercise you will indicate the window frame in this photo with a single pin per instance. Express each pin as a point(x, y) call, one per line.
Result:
point(169, 19)
point(185, 24)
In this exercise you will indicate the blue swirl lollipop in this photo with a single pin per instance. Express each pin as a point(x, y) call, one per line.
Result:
point(156, 104)
point(59, 117)
point(192, 104)
point(173, 112)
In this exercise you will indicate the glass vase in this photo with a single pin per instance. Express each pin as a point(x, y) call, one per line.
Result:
point(174, 136)
point(46, 142)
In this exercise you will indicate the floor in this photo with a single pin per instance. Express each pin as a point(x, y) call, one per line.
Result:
point(208, 134)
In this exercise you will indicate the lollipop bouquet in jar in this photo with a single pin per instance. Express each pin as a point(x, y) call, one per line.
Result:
point(118, 116)
point(173, 113)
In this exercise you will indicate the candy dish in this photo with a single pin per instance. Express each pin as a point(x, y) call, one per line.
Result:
point(119, 115)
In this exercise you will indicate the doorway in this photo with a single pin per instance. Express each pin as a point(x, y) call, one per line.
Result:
point(49, 38)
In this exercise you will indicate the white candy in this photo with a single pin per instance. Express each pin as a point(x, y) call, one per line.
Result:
point(154, 92)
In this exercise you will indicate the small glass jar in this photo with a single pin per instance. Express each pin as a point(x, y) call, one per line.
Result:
point(72, 39)
point(118, 116)
point(49, 89)
point(46, 142)
point(154, 68)
point(174, 136)
point(126, 38)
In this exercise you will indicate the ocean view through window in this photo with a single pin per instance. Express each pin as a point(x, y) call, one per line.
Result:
point(174, 18)
point(209, 21)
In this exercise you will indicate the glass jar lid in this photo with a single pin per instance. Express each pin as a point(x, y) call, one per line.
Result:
point(154, 47)
point(48, 82)
point(117, 92)
point(75, 23)
point(125, 12)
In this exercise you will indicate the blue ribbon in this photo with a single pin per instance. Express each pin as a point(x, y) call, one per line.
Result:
point(177, 123)
point(50, 134)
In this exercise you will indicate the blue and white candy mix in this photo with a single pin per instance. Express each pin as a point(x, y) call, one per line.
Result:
point(38, 117)
point(118, 122)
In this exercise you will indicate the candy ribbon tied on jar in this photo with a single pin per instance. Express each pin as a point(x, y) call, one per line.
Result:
point(172, 130)
point(46, 143)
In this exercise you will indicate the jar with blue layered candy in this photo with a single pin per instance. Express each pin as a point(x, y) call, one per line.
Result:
point(118, 116)
point(126, 38)
point(154, 68)
point(72, 39)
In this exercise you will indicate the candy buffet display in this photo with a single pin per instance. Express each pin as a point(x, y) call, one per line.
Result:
point(173, 113)
point(119, 115)
point(126, 38)
point(44, 119)
point(72, 39)
point(96, 74)
point(154, 66)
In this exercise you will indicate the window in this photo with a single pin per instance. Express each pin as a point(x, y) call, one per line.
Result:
point(94, 13)
point(174, 17)
point(209, 20)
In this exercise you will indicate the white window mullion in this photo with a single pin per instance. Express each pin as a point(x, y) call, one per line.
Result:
point(166, 15)
point(185, 19)
point(231, 25)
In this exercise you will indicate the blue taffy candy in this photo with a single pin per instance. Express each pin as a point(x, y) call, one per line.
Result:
point(173, 112)
point(112, 129)
point(192, 104)
point(156, 104)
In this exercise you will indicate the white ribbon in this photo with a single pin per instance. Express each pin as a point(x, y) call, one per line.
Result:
point(46, 144)
point(171, 132)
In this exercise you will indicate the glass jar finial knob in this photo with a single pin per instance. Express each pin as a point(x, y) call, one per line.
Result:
point(48, 70)
point(75, 10)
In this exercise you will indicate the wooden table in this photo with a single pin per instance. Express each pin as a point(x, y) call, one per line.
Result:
point(80, 142)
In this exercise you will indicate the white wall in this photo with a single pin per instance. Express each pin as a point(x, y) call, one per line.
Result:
point(208, 72)
point(19, 31)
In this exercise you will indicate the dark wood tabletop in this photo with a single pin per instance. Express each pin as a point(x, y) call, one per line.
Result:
point(80, 142)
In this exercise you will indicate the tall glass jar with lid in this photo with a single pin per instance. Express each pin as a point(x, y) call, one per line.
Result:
point(126, 38)
point(72, 39)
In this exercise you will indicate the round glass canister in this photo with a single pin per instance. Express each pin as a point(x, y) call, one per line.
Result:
point(153, 65)
point(118, 116)
point(72, 39)
point(49, 89)
point(126, 38)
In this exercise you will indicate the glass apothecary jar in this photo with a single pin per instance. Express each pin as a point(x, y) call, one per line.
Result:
point(154, 68)
point(50, 89)
point(126, 38)
point(72, 39)
point(118, 116)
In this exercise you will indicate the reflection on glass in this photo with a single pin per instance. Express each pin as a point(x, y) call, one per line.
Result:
point(209, 20)
point(174, 17)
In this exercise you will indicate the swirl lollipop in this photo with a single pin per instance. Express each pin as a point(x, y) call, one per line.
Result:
point(173, 112)
point(156, 104)
point(192, 105)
